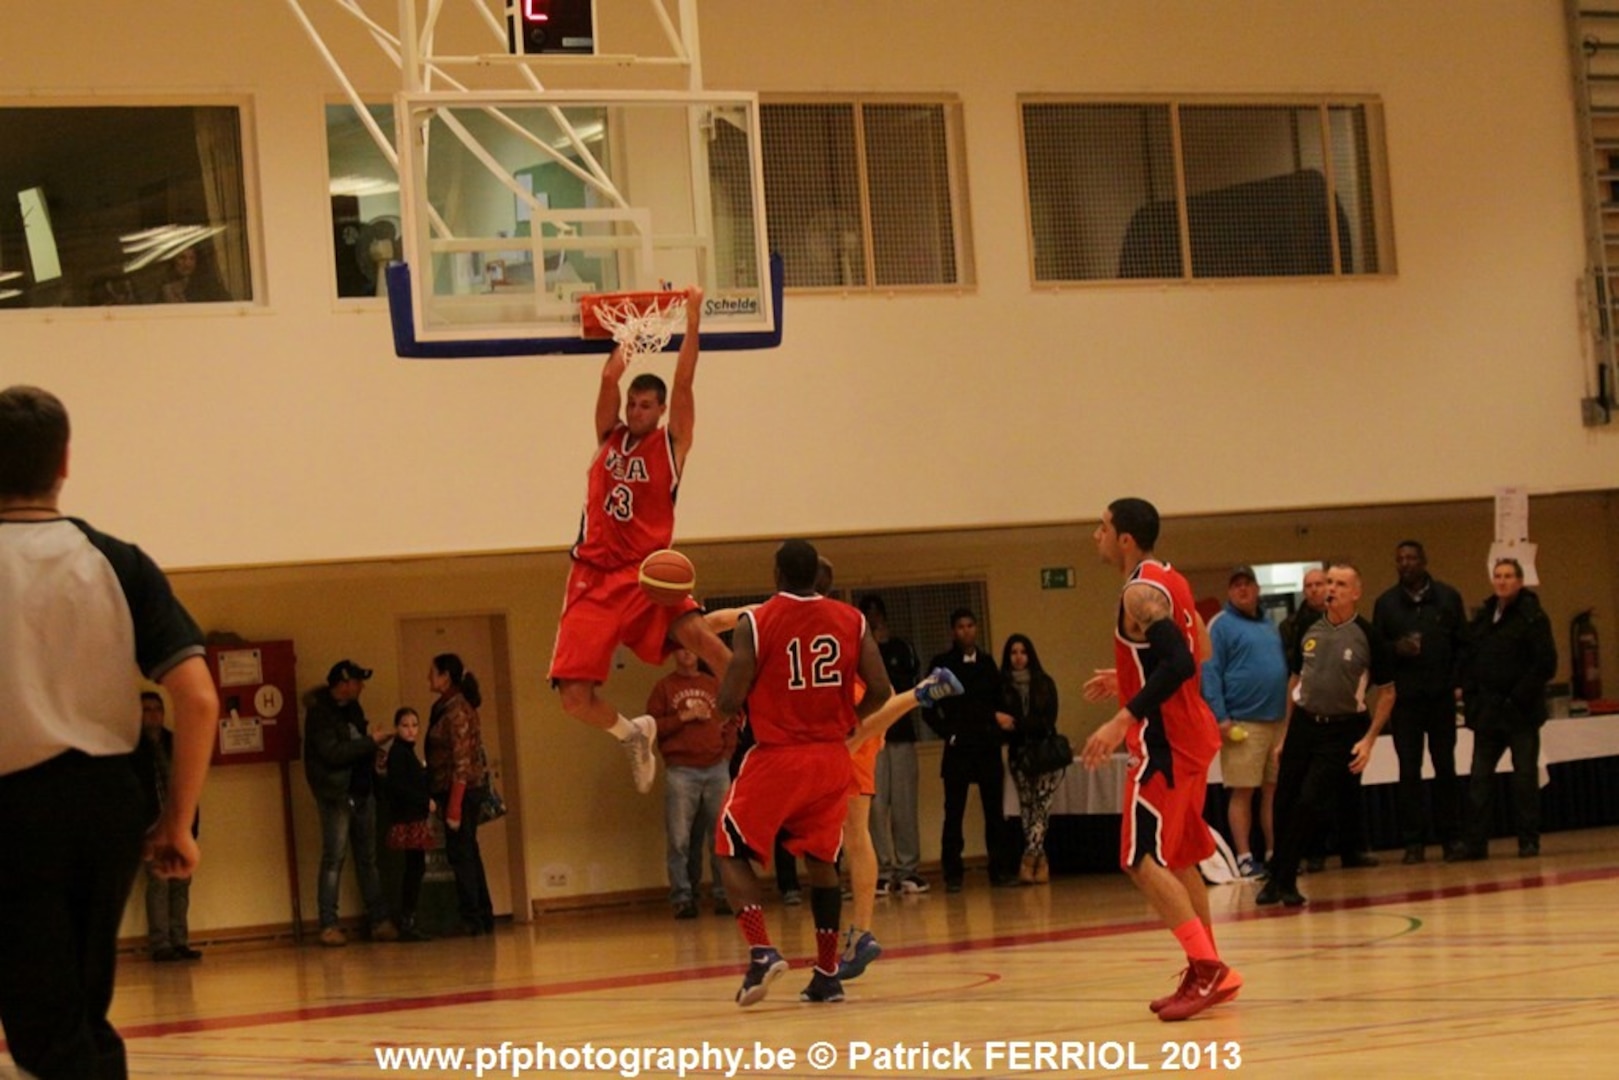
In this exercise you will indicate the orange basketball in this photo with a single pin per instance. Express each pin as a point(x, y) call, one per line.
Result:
point(667, 577)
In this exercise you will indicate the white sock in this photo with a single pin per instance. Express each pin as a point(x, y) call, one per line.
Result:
point(623, 729)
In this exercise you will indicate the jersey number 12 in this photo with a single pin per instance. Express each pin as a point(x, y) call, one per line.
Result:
point(823, 658)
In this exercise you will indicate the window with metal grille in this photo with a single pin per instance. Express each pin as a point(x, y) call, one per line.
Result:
point(1195, 190)
point(866, 194)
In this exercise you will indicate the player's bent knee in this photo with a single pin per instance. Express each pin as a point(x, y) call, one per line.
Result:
point(576, 697)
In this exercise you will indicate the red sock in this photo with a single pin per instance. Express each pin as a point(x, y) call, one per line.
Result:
point(751, 921)
point(826, 950)
point(1194, 938)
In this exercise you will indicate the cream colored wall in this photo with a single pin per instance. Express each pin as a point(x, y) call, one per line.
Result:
point(579, 810)
point(288, 432)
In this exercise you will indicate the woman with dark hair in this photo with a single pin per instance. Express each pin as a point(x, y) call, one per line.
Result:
point(1028, 710)
point(455, 764)
point(405, 780)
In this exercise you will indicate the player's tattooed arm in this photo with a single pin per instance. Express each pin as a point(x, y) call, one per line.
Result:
point(1143, 606)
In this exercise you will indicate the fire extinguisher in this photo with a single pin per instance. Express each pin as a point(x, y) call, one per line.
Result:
point(1586, 668)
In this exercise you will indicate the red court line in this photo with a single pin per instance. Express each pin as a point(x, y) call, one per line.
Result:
point(658, 978)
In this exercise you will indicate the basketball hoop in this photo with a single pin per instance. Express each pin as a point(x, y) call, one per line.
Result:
point(640, 322)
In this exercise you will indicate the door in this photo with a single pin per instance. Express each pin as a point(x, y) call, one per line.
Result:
point(480, 641)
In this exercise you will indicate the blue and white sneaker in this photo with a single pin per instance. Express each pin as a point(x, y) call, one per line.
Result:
point(1250, 868)
point(822, 987)
point(766, 967)
point(939, 684)
point(858, 953)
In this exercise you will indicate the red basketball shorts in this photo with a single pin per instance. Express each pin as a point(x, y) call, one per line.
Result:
point(603, 609)
point(864, 761)
point(1162, 822)
point(800, 790)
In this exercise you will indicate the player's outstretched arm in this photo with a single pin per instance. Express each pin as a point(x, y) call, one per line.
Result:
point(682, 401)
point(170, 845)
point(739, 675)
point(723, 621)
point(609, 402)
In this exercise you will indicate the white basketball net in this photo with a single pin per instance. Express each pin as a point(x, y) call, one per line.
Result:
point(642, 332)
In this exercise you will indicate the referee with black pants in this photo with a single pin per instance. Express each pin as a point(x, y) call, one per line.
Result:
point(1329, 729)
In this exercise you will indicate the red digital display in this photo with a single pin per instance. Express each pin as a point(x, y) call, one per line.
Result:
point(551, 26)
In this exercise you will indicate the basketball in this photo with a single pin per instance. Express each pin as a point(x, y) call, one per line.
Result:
point(667, 577)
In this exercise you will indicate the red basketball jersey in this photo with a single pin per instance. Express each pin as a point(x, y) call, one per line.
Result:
point(629, 500)
point(807, 651)
point(1188, 724)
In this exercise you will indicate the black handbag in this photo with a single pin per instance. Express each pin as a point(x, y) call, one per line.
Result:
point(493, 807)
point(1049, 753)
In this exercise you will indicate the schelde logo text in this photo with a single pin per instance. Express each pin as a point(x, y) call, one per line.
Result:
point(731, 305)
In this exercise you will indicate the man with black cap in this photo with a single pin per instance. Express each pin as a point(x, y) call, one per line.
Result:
point(338, 757)
point(1245, 684)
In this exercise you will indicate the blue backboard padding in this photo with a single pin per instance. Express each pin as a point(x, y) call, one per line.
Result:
point(402, 315)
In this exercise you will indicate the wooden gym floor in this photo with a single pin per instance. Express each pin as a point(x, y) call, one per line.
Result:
point(1503, 968)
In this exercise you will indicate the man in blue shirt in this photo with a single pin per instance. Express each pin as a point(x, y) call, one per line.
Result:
point(1245, 684)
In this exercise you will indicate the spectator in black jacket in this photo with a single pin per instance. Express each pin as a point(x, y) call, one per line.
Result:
point(1422, 618)
point(1509, 657)
point(338, 757)
point(404, 778)
point(972, 754)
point(1028, 713)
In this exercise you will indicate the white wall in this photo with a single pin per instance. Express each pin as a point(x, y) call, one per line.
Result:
point(289, 431)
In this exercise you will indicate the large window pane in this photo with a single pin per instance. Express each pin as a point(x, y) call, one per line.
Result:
point(908, 166)
point(122, 205)
point(812, 193)
point(864, 195)
point(1203, 190)
point(1256, 194)
point(1101, 192)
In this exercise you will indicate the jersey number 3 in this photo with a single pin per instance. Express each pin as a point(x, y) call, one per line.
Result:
point(824, 652)
point(620, 503)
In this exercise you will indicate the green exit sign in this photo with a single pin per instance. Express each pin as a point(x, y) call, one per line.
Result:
point(1057, 577)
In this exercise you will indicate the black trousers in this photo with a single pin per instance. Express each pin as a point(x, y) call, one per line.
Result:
point(1345, 831)
point(410, 884)
point(70, 843)
point(466, 860)
point(1488, 746)
point(1315, 759)
point(1412, 722)
point(959, 769)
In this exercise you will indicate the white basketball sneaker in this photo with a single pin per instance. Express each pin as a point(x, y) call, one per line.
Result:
point(643, 762)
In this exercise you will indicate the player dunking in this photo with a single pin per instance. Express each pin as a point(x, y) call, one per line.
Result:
point(630, 513)
point(797, 658)
point(1172, 738)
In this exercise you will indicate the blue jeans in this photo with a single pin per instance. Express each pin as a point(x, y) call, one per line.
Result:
point(343, 823)
point(692, 800)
